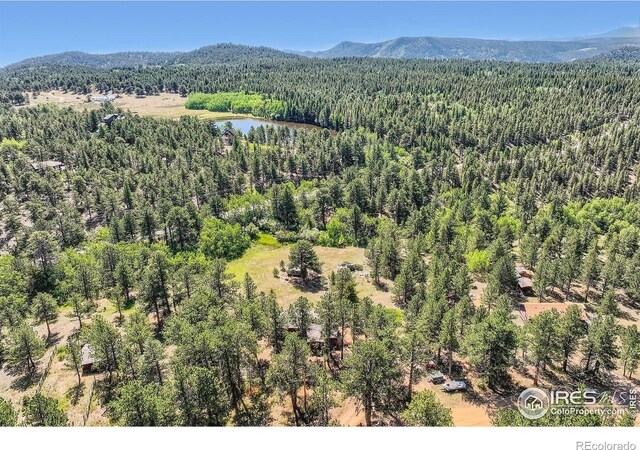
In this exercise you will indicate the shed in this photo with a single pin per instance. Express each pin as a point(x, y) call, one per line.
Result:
point(41, 166)
point(526, 285)
point(315, 340)
point(292, 328)
point(87, 358)
point(436, 377)
point(108, 119)
point(227, 136)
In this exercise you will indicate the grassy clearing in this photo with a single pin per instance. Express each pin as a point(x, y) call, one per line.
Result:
point(260, 260)
point(268, 240)
point(169, 106)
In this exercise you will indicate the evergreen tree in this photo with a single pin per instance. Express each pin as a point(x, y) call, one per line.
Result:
point(425, 410)
point(591, 267)
point(289, 372)
point(304, 258)
point(372, 377)
point(8, 414)
point(601, 343)
point(571, 331)
point(42, 411)
point(24, 347)
point(490, 346)
point(45, 309)
point(630, 350)
point(541, 337)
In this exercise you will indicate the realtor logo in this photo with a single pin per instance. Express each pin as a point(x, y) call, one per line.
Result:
point(533, 403)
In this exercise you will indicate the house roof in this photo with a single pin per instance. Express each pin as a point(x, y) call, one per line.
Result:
point(525, 283)
point(46, 164)
point(314, 333)
point(87, 357)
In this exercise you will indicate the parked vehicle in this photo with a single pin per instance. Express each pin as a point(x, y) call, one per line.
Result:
point(454, 386)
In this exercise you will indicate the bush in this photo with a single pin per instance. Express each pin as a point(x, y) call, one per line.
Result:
point(219, 239)
point(252, 230)
point(478, 261)
point(336, 235)
point(286, 236)
point(268, 240)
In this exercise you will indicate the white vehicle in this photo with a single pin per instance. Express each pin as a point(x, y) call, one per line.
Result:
point(454, 386)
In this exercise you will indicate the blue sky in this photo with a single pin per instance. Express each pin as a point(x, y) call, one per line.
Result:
point(33, 29)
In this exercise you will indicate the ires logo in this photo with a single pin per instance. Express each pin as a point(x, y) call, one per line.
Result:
point(534, 403)
point(586, 397)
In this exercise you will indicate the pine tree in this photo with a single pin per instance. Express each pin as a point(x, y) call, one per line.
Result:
point(541, 336)
point(571, 331)
point(630, 351)
point(591, 267)
point(425, 410)
point(45, 309)
point(304, 258)
point(74, 357)
point(289, 371)
point(25, 348)
point(42, 411)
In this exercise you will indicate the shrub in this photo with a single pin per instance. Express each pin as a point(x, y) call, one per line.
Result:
point(219, 239)
point(478, 261)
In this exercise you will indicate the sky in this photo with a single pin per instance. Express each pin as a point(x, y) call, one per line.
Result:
point(30, 29)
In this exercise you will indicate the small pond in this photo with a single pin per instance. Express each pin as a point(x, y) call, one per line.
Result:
point(245, 124)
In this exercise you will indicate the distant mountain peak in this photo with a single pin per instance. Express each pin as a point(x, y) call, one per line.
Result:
point(622, 32)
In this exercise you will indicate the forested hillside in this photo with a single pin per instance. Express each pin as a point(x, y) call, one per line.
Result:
point(456, 179)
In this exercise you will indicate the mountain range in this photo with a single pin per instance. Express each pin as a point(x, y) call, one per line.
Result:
point(617, 44)
point(487, 49)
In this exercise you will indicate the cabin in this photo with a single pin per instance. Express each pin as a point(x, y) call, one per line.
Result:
point(87, 359)
point(522, 271)
point(316, 342)
point(526, 286)
point(228, 136)
point(108, 120)
point(41, 166)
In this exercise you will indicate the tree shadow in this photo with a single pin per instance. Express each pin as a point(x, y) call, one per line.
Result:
point(54, 339)
point(314, 285)
point(75, 393)
point(381, 286)
point(118, 321)
point(104, 390)
point(23, 381)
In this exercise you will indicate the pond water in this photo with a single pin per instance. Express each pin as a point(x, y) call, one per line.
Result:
point(245, 124)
